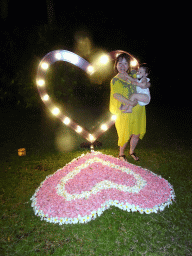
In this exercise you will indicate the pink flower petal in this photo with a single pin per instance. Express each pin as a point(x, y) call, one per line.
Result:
point(69, 192)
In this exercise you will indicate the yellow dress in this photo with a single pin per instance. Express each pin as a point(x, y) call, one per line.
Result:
point(126, 123)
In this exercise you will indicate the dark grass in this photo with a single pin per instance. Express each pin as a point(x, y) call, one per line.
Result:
point(165, 150)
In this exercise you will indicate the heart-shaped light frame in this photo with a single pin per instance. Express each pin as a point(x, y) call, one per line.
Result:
point(64, 55)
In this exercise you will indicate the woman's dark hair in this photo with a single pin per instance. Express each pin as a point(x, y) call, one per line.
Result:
point(122, 56)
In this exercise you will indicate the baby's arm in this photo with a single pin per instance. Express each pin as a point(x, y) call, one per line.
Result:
point(144, 84)
point(133, 80)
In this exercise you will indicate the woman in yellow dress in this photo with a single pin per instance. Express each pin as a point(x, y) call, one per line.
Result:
point(129, 126)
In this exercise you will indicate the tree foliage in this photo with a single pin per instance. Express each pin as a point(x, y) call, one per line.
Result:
point(65, 82)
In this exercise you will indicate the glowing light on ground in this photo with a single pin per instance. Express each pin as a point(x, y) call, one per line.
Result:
point(92, 148)
point(91, 138)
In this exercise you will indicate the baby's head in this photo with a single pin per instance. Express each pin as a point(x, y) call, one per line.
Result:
point(142, 72)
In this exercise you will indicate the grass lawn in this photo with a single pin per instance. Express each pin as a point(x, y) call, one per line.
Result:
point(115, 232)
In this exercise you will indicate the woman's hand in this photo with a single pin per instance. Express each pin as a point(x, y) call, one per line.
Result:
point(123, 100)
point(133, 103)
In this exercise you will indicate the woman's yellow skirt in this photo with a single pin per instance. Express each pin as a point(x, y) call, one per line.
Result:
point(131, 123)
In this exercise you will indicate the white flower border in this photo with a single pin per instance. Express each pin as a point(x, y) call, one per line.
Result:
point(106, 184)
point(94, 214)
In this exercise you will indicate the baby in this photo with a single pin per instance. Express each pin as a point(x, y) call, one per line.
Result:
point(143, 94)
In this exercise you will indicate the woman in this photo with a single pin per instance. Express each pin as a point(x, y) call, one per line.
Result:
point(128, 125)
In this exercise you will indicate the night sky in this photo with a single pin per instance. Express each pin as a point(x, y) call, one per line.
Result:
point(152, 35)
point(111, 26)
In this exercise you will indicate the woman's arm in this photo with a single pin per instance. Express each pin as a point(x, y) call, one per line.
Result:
point(123, 100)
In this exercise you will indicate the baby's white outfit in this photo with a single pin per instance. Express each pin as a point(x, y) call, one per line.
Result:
point(143, 91)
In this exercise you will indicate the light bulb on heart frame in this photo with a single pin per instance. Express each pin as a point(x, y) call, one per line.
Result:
point(67, 56)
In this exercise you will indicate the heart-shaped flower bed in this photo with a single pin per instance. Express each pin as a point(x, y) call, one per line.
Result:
point(90, 184)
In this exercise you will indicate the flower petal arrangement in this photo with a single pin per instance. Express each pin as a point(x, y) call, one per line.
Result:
point(88, 185)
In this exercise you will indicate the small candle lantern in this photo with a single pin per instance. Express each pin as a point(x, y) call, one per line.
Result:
point(22, 152)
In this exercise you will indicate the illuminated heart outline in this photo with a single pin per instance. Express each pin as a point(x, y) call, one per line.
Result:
point(64, 55)
point(152, 193)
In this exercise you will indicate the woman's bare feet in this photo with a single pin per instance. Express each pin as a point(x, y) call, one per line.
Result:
point(134, 156)
point(122, 158)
